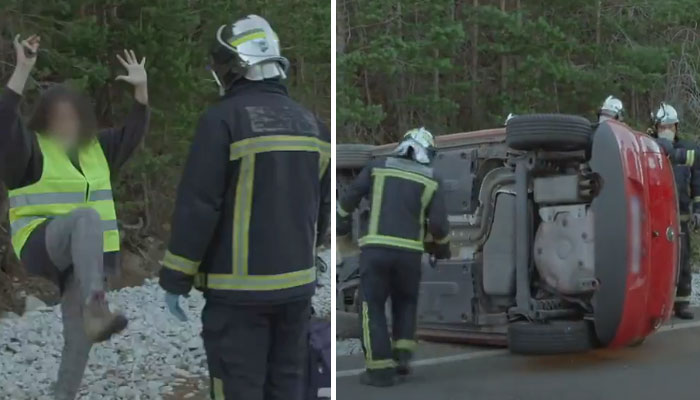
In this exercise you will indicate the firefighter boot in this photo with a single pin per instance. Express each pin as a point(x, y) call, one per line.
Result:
point(384, 377)
point(682, 310)
point(99, 322)
point(403, 361)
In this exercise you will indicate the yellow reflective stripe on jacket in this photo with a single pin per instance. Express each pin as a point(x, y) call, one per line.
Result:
point(258, 282)
point(373, 236)
point(241, 278)
point(241, 215)
point(264, 144)
point(324, 161)
point(179, 263)
point(405, 175)
point(391, 241)
point(696, 199)
point(689, 158)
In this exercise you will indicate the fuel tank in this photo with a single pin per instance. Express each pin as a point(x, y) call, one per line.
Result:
point(636, 232)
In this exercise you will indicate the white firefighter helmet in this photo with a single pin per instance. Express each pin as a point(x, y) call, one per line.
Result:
point(666, 115)
point(252, 48)
point(420, 141)
point(612, 108)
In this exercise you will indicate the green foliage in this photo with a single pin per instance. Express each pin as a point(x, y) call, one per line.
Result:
point(79, 43)
point(453, 66)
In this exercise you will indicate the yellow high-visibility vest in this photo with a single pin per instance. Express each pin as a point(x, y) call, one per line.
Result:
point(62, 189)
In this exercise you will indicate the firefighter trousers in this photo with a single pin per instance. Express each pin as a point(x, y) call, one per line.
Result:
point(685, 276)
point(256, 352)
point(388, 273)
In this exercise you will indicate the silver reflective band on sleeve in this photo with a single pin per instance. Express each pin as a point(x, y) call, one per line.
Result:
point(110, 225)
point(46, 198)
point(99, 195)
point(22, 222)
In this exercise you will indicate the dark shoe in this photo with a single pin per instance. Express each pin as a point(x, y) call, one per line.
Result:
point(378, 378)
point(99, 322)
point(403, 362)
point(682, 311)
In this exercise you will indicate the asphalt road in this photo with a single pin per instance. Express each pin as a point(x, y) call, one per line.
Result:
point(665, 367)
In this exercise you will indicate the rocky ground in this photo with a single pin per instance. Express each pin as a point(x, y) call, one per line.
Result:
point(157, 357)
point(353, 346)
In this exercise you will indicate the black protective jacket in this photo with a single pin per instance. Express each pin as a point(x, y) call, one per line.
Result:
point(405, 198)
point(687, 177)
point(253, 201)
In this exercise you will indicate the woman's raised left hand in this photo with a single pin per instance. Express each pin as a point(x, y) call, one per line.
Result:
point(136, 75)
point(136, 70)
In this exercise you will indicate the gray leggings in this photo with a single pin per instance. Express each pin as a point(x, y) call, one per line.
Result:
point(76, 240)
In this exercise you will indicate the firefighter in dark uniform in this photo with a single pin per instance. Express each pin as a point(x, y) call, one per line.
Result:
point(687, 175)
point(252, 203)
point(406, 198)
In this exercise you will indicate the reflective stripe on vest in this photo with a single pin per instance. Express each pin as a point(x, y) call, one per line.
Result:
point(240, 278)
point(63, 188)
point(374, 237)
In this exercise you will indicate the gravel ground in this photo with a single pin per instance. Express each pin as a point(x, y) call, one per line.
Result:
point(155, 358)
point(346, 347)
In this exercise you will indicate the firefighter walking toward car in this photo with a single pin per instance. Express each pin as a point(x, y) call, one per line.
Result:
point(406, 197)
point(687, 175)
point(253, 201)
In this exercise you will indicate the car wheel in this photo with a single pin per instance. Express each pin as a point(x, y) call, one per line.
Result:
point(553, 337)
point(353, 156)
point(554, 132)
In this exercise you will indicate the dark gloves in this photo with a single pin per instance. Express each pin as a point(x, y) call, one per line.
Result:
point(440, 251)
point(343, 225)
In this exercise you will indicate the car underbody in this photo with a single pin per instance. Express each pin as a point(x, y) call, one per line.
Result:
point(547, 232)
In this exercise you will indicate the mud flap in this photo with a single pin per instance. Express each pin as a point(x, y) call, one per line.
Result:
point(446, 293)
point(611, 214)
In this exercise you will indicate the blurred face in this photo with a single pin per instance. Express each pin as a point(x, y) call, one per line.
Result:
point(64, 123)
point(667, 131)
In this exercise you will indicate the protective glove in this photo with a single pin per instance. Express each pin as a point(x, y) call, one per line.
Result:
point(172, 302)
point(343, 225)
point(443, 252)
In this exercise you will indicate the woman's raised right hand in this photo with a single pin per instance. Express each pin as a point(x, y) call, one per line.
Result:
point(26, 51)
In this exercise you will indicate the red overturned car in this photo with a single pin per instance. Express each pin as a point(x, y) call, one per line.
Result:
point(564, 236)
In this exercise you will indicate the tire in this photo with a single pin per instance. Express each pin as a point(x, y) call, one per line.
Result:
point(353, 156)
point(554, 132)
point(553, 337)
